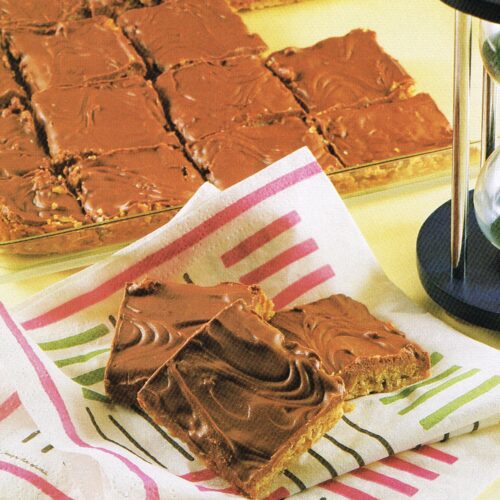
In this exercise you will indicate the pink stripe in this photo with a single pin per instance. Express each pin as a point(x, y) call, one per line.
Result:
point(302, 285)
point(50, 389)
point(199, 475)
point(175, 248)
point(346, 491)
point(405, 466)
point(260, 238)
point(279, 262)
point(38, 482)
point(436, 454)
point(390, 482)
point(278, 494)
point(9, 406)
point(231, 490)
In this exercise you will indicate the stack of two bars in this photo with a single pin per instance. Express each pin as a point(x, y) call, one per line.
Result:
point(249, 390)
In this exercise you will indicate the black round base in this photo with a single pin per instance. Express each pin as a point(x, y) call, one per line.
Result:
point(476, 298)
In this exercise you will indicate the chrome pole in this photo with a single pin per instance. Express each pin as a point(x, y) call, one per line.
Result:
point(488, 129)
point(460, 171)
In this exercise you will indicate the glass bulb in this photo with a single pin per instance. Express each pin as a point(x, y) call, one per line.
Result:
point(487, 198)
point(489, 45)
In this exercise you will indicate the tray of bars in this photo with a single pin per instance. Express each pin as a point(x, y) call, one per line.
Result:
point(115, 112)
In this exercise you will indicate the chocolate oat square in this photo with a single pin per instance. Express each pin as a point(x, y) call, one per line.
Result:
point(177, 32)
point(100, 118)
point(208, 97)
point(341, 71)
point(74, 53)
point(232, 155)
point(133, 181)
point(386, 130)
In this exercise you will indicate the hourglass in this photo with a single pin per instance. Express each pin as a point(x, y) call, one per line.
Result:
point(462, 273)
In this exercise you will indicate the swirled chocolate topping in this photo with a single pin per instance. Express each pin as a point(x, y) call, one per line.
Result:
point(9, 88)
point(246, 92)
point(233, 155)
point(155, 319)
point(18, 134)
point(340, 330)
point(74, 53)
point(37, 203)
point(385, 130)
point(241, 397)
point(348, 338)
point(175, 33)
point(100, 118)
point(341, 71)
point(14, 13)
point(134, 181)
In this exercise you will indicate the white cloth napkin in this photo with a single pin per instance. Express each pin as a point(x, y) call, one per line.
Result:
point(287, 228)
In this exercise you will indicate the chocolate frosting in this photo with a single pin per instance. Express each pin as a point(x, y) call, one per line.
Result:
point(230, 156)
point(340, 71)
point(74, 53)
point(18, 134)
point(386, 130)
point(38, 203)
point(189, 30)
point(100, 118)
point(112, 7)
point(238, 394)
point(155, 320)
point(15, 163)
point(15, 13)
point(131, 182)
point(9, 88)
point(341, 330)
point(208, 97)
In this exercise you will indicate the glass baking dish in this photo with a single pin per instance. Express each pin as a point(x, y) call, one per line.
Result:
point(409, 31)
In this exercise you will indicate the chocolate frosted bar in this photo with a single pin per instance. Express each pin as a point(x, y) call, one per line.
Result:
point(134, 181)
point(74, 53)
point(33, 13)
point(243, 399)
point(386, 130)
point(369, 355)
point(9, 88)
point(341, 71)
point(208, 97)
point(230, 156)
point(36, 203)
point(100, 118)
point(155, 320)
point(175, 33)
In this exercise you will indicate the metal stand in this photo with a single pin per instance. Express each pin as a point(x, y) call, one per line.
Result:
point(460, 172)
point(469, 290)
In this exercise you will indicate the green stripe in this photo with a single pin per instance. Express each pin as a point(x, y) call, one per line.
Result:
point(440, 388)
point(78, 339)
point(436, 357)
point(412, 388)
point(79, 359)
point(438, 415)
point(95, 396)
point(90, 378)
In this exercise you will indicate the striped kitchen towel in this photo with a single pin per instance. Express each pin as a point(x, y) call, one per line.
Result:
point(286, 228)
